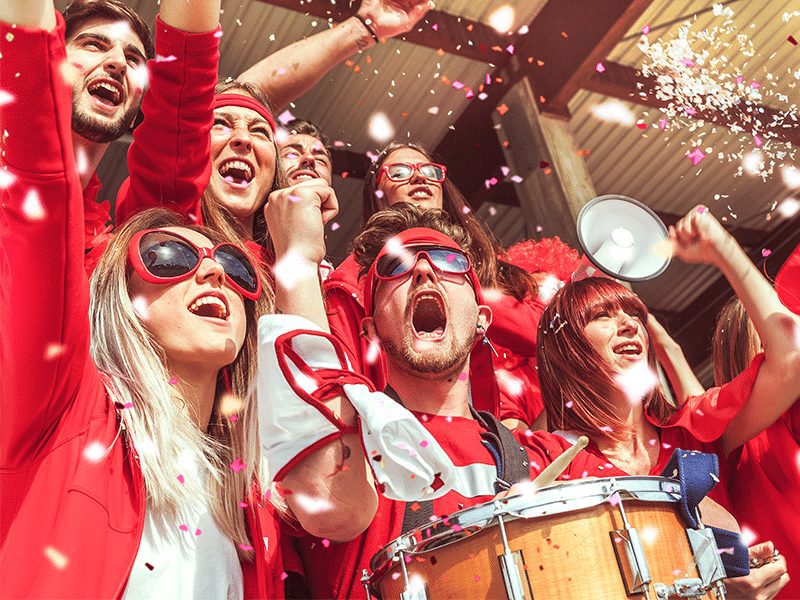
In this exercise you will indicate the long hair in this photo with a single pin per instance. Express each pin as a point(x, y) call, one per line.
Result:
point(735, 342)
point(159, 425)
point(493, 272)
point(215, 215)
point(575, 379)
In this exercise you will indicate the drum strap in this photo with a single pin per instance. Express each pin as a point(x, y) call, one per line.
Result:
point(698, 473)
point(511, 461)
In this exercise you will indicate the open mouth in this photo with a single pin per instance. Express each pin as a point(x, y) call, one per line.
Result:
point(210, 306)
point(107, 91)
point(422, 192)
point(628, 349)
point(428, 316)
point(237, 172)
point(303, 175)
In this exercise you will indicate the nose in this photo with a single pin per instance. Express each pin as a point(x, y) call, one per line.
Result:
point(240, 140)
point(115, 62)
point(210, 271)
point(417, 176)
point(628, 324)
point(424, 271)
point(307, 159)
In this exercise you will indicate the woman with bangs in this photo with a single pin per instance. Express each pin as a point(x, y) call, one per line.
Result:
point(129, 442)
point(597, 368)
point(408, 172)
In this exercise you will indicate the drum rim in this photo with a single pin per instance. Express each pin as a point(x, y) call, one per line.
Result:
point(650, 489)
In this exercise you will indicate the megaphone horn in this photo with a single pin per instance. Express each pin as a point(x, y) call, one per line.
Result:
point(623, 238)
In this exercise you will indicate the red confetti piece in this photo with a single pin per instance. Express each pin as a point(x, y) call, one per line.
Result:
point(149, 566)
point(641, 125)
point(237, 465)
point(377, 458)
point(437, 482)
point(502, 109)
point(701, 209)
point(544, 164)
point(791, 40)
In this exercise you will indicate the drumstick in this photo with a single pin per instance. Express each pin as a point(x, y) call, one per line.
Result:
point(554, 470)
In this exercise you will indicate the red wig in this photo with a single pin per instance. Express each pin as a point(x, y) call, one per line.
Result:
point(576, 382)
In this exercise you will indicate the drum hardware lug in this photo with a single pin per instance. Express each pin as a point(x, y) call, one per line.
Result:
point(636, 576)
point(512, 565)
point(707, 557)
point(682, 588)
point(418, 592)
point(365, 583)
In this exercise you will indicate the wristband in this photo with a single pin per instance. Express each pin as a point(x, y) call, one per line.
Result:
point(366, 24)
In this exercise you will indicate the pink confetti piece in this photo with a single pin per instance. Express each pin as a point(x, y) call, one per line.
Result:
point(696, 156)
point(600, 67)
point(284, 575)
point(285, 117)
point(335, 226)
point(435, 27)
point(181, 479)
point(424, 443)
point(739, 79)
point(458, 85)
point(462, 376)
point(234, 418)
point(326, 543)
point(245, 547)
point(173, 381)
point(470, 94)
point(183, 527)
point(701, 209)
point(645, 29)
point(755, 85)
point(688, 62)
point(662, 124)
point(237, 465)
point(766, 252)
point(614, 499)
point(757, 141)
point(218, 34)
point(197, 532)
point(510, 48)
point(242, 504)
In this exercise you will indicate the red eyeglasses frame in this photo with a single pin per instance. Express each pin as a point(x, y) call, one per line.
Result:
point(414, 167)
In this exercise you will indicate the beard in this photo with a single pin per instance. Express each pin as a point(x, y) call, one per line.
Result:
point(441, 363)
point(101, 131)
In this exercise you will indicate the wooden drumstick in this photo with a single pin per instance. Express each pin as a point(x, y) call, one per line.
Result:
point(554, 470)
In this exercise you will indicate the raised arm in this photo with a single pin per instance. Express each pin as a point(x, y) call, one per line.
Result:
point(169, 160)
point(670, 356)
point(44, 299)
point(699, 237)
point(292, 71)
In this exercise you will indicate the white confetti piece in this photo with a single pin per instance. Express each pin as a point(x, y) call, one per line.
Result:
point(637, 381)
point(59, 559)
point(6, 178)
point(380, 128)
point(502, 18)
point(614, 111)
point(6, 98)
point(292, 269)
point(94, 452)
point(32, 206)
point(141, 307)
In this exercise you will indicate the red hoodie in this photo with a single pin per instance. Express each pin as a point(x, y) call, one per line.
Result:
point(73, 500)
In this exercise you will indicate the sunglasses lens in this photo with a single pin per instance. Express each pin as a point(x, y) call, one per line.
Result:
point(432, 172)
point(237, 267)
point(399, 172)
point(166, 256)
point(449, 261)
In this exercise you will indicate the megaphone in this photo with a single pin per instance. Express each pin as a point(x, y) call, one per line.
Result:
point(623, 238)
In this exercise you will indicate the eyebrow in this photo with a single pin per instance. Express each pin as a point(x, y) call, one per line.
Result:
point(319, 147)
point(258, 120)
point(106, 40)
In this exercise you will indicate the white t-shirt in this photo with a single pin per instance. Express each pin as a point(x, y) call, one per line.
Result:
point(185, 558)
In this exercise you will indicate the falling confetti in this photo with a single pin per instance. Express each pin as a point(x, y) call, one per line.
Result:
point(59, 559)
point(696, 156)
point(94, 452)
point(32, 206)
point(380, 128)
point(502, 19)
point(312, 505)
point(237, 465)
point(293, 268)
point(637, 381)
point(614, 111)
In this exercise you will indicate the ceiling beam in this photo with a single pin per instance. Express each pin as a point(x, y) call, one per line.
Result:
point(438, 30)
point(627, 83)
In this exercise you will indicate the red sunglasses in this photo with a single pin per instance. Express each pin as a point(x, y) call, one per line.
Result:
point(160, 256)
point(399, 172)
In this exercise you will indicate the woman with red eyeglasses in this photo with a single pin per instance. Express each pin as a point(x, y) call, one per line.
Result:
point(407, 172)
point(128, 438)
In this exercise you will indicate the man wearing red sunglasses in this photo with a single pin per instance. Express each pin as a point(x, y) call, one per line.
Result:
point(416, 451)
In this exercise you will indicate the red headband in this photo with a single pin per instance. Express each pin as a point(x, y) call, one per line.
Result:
point(416, 236)
point(245, 102)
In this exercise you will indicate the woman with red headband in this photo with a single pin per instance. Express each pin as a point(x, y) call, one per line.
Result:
point(129, 442)
point(407, 172)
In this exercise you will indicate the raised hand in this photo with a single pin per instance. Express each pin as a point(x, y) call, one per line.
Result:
point(297, 215)
point(389, 18)
point(699, 238)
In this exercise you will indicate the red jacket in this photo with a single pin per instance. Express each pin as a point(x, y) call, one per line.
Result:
point(73, 500)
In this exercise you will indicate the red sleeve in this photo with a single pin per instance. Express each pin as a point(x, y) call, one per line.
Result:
point(520, 391)
point(344, 318)
point(44, 299)
point(514, 323)
point(169, 160)
point(706, 416)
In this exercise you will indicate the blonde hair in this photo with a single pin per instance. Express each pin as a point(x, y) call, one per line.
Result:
point(159, 425)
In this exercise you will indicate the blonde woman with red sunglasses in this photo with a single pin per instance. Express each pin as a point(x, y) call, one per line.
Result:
point(128, 444)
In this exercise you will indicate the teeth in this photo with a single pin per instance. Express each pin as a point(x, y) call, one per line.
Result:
point(626, 348)
point(427, 296)
point(419, 193)
point(195, 306)
point(236, 164)
point(106, 86)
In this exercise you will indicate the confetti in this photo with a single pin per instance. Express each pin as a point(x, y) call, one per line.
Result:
point(32, 206)
point(645, 29)
point(293, 268)
point(696, 156)
point(285, 117)
point(6, 98)
point(183, 527)
point(163, 59)
point(766, 252)
point(197, 532)
point(140, 307)
point(637, 381)
point(230, 404)
point(94, 452)
point(245, 547)
point(380, 128)
point(173, 381)
point(237, 465)
point(53, 350)
point(502, 109)
point(373, 351)
point(326, 543)
point(600, 67)
point(789, 208)
point(311, 504)
point(149, 566)
point(614, 111)
point(181, 479)
point(502, 19)
point(791, 40)
point(59, 559)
